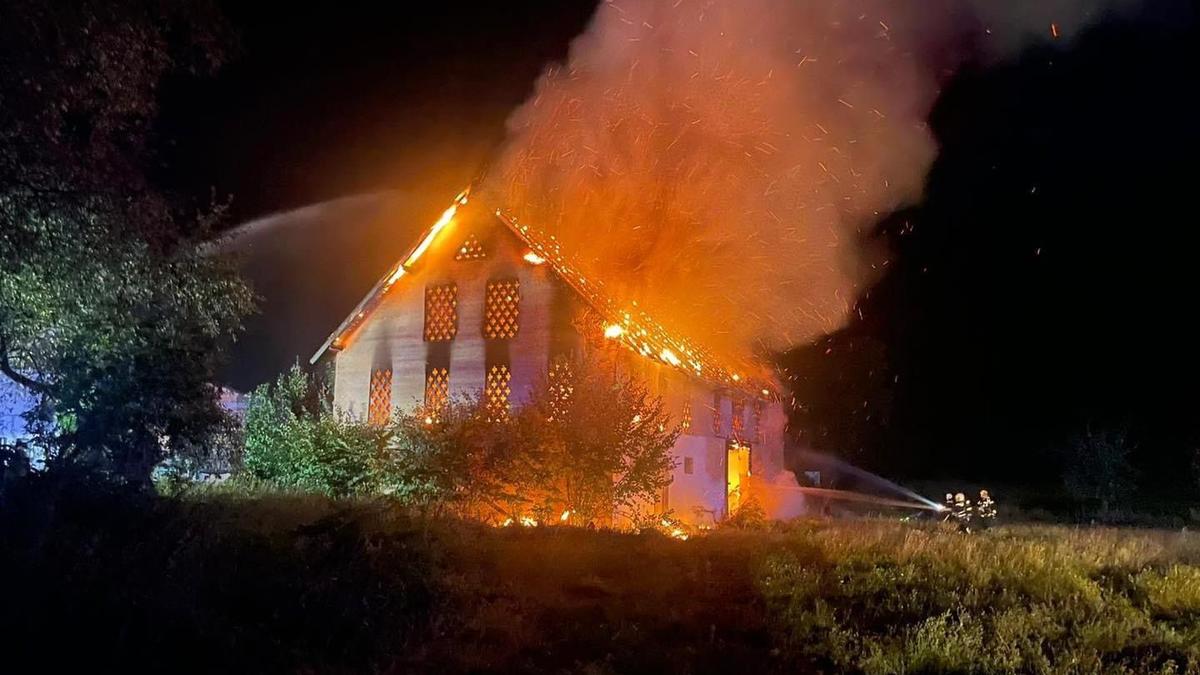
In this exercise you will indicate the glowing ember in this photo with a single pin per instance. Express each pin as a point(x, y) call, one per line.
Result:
point(534, 259)
point(565, 515)
point(613, 331)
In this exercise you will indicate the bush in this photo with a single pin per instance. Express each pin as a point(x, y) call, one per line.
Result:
point(587, 445)
point(291, 444)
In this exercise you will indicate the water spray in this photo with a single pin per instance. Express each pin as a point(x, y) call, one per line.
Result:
point(911, 499)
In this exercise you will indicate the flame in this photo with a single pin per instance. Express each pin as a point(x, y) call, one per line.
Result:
point(565, 515)
point(442, 222)
point(526, 521)
point(669, 357)
point(533, 258)
point(613, 331)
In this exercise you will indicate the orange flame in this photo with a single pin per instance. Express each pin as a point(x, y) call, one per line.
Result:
point(442, 222)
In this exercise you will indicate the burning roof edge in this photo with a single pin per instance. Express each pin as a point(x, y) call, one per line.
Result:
point(634, 328)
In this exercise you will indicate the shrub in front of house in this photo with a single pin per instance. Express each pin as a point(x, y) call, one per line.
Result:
point(291, 444)
point(576, 452)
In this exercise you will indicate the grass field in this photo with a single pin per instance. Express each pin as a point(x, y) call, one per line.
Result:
point(298, 584)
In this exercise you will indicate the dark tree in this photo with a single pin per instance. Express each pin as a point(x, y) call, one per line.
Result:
point(109, 311)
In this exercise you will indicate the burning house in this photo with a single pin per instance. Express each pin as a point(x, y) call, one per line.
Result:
point(484, 304)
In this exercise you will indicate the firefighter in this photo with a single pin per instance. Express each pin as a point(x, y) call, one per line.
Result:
point(948, 507)
point(963, 512)
point(986, 510)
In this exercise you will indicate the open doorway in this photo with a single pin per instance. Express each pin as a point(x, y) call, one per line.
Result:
point(737, 473)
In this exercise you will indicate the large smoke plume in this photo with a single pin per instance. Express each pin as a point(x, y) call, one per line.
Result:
point(719, 162)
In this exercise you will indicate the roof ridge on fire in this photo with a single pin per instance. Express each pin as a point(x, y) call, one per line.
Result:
point(629, 325)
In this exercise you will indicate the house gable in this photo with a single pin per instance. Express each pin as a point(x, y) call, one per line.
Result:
point(434, 323)
point(447, 239)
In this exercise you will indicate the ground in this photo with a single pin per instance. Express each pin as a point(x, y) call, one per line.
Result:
point(298, 584)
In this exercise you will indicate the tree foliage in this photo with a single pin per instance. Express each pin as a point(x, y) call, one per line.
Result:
point(593, 445)
point(603, 448)
point(1097, 467)
point(290, 443)
point(109, 312)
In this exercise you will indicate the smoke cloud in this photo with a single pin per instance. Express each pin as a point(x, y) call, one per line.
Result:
point(720, 162)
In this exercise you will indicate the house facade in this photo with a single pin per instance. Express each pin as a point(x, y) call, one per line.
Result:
point(481, 305)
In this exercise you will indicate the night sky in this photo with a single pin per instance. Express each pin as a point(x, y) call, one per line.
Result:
point(1045, 285)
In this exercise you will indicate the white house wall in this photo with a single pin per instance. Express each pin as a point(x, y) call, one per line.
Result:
point(394, 333)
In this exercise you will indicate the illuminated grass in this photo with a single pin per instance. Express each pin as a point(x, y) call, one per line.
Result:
point(292, 583)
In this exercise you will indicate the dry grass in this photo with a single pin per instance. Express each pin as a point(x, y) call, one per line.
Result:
point(295, 583)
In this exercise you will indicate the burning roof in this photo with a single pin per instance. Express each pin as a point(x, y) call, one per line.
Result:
point(628, 324)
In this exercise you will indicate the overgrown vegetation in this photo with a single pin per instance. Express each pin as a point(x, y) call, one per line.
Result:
point(293, 444)
point(246, 583)
point(588, 445)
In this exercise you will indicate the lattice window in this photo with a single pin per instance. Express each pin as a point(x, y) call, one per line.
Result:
point(759, 432)
point(685, 420)
point(501, 310)
point(441, 312)
point(716, 416)
point(738, 423)
point(561, 384)
point(379, 403)
point(437, 392)
point(470, 249)
point(496, 391)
